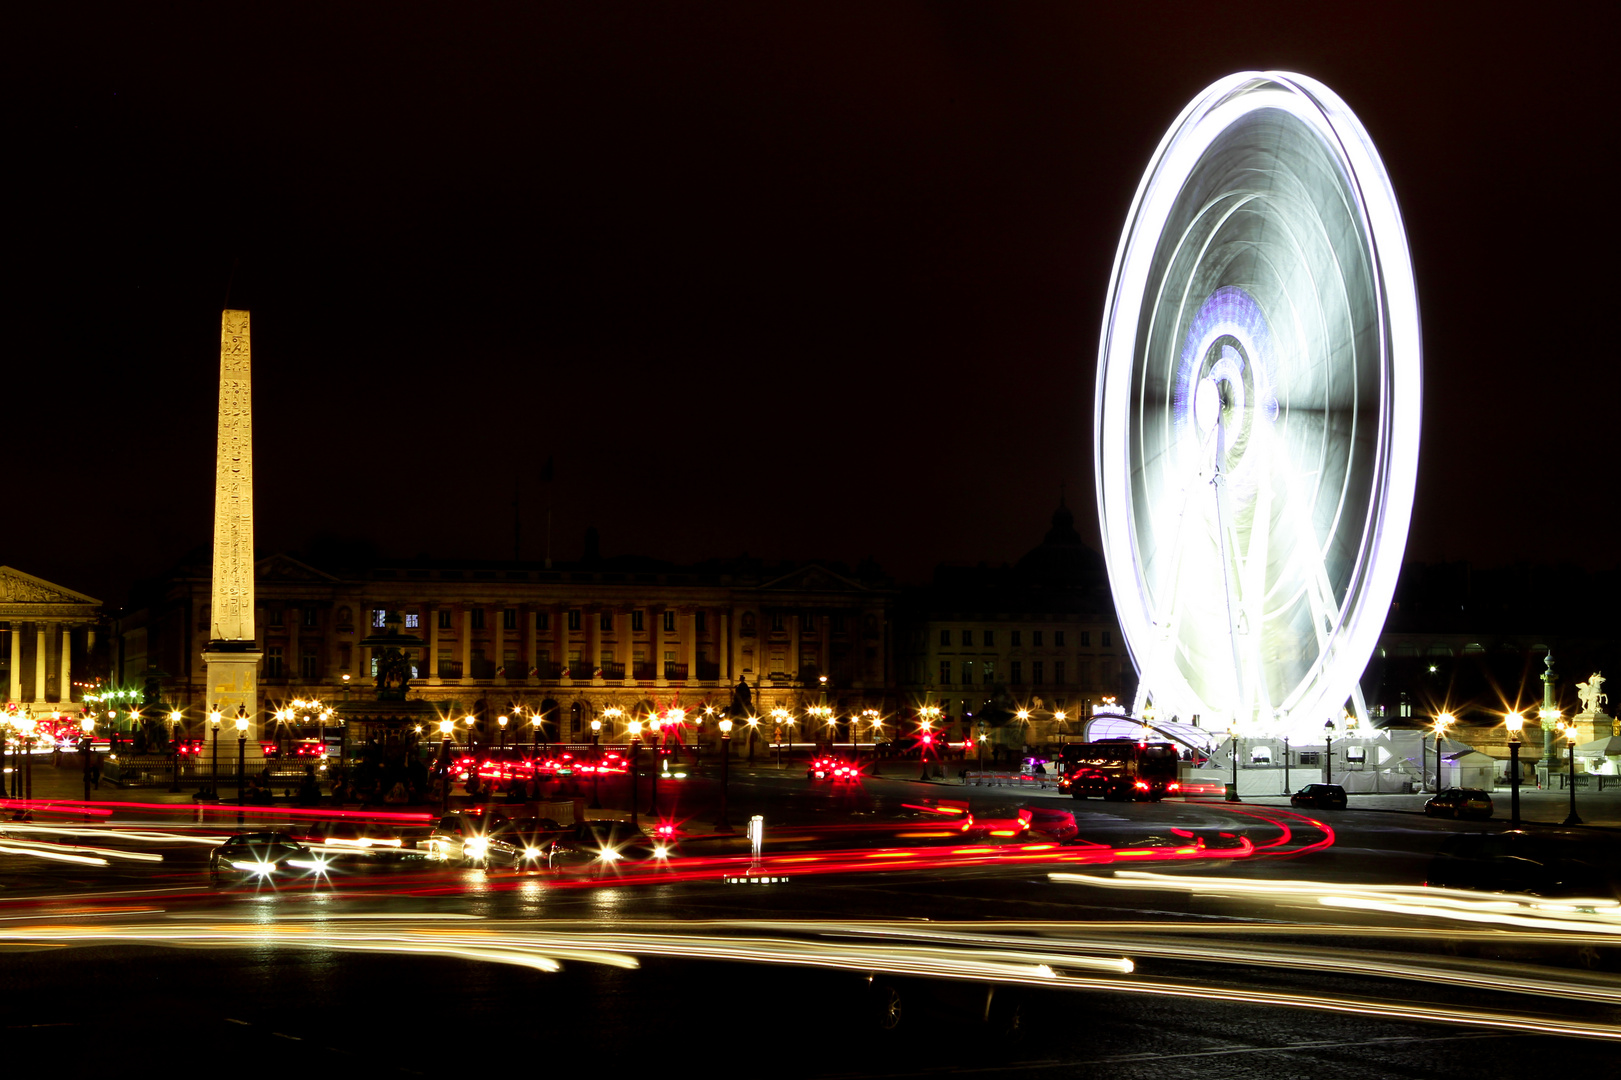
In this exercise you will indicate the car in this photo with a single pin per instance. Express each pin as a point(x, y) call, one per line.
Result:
point(1460, 803)
point(480, 837)
point(1319, 797)
point(359, 838)
point(264, 856)
point(600, 845)
point(832, 768)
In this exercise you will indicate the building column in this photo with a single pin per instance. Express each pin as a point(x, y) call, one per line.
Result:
point(796, 627)
point(655, 647)
point(16, 661)
point(690, 619)
point(467, 645)
point(723, 645)
point(295, 657)
point(593, 645)
point(498, 644)
point(64, 686)
point(627, 654)
point(526, 615)
point(41, 644)
point(825, 661)
point(433, 646)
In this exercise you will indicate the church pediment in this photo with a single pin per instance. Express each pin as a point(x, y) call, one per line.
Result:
point(17, 587)
point(812, 579)
point(287, 568)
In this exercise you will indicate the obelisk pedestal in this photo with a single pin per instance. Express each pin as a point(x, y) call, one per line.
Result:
point(232, 655)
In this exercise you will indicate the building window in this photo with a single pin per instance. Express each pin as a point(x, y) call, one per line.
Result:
point(1310, 757)
point(374, 665)
point(1058, 672)
point(699, 622)
point(636, 622)
point(945, 637)
point(346, 657)
point(669, 657)
point(309, 616)
point(1084, 669)
point(478, 618)
point(605, 621)
point(273, 662)
point(444, 619)
point(968, 672)
point(309, 665)
point(1105, 639)
point(275, 616)
point(778, 663)
point(967, 637)
point(1058, 639)
point(990, 672)
point(1035, 638)
point(574, 619)
point(543, 620)
point(776, 622)
point(669, 622)
point(945, 673)
point(412, 621)
point(990, 638)
point(509, 618)
point(379, 618)
point(1016, 638)
point(1035, 672)
point(1016, 672)
point(1086, 639)
point(807, 624)
point(605, 658)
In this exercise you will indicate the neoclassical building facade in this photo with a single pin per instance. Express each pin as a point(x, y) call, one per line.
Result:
point(47, 637)
point(499, 638)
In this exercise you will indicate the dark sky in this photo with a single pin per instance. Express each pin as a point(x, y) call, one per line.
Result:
point(811, 281)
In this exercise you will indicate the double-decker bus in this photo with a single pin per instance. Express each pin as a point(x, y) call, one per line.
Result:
point(1120, 769)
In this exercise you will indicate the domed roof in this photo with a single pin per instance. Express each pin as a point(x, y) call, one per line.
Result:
point(1062, 558)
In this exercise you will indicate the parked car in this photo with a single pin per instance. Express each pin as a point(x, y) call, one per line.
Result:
point(1460, 803)
point(477, 837)
point(1319, 797)
point(263, 856)
point(602, 844)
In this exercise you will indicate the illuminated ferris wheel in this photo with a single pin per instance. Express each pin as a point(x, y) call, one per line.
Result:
point(1257, 413)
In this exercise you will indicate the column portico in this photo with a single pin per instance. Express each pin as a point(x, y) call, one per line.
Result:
point(40, 645)
point(655, 648)
point(16, 661)
point(689, 619)
point(466, 645)
point(433, 647)
point(64, 685)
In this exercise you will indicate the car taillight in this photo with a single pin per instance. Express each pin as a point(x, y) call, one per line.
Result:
point(1173, 786)
point(1142, 785)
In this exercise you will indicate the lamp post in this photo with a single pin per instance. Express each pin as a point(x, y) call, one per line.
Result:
point(1328, 751)
point(653, 725)
point(501, 736)
point(176, 718)
point(723, 823)
point(446, 726)
point(926, 738)
point(27, 726)
point(1442, 722)
point(214, 720)
point(1232, 752)
point(596, 761)
point(635, 728)
point(241, 754)
point(87, 724)
point(1570, 733)
point(1514, 722)
point(754, 730)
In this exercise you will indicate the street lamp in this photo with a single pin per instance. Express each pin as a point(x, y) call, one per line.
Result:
point(1514, 722)
point(1328, 752)
point(87, 724)
point(1570, 733)
point(1442, 722)
point(653, 724)
point(723, 824)
point(446, 727)
point(635, 729)
point(501, 736)
point(1232, 752)
point(176, 717)
point(214, 720)
point(596, 761)
point(241, 752)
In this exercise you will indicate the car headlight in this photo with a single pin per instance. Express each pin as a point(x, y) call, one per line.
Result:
point(531, 853)
point(318, 865)
point(254, 867)
point(608, 855)
point(661, 851)
point(478, 847)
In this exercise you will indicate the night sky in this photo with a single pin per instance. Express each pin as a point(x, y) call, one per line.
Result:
point(807, 282)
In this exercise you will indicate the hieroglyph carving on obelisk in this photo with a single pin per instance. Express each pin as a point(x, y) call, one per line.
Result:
point(231, 612)
point(233, 662)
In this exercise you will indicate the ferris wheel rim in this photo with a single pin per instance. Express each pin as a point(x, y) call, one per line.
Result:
point(1383, 531)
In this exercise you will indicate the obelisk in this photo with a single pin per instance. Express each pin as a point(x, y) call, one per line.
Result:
point(232, 656)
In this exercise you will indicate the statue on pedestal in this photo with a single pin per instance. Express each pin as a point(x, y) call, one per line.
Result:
point(1591, 694)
